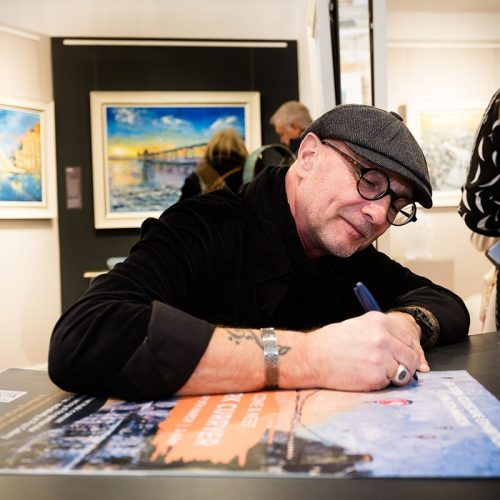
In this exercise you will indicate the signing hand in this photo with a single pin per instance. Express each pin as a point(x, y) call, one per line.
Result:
point(363, 353)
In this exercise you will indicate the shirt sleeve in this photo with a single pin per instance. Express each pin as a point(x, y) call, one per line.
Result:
point(396, 286)
point(135, 333)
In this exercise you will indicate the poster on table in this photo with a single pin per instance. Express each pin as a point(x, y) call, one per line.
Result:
point(444, 425)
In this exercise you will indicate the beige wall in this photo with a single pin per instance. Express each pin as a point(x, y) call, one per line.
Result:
point(443, 57)
point(29, 253)
point(198, 19)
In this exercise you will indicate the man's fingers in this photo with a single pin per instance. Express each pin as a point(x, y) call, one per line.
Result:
point(424, 367)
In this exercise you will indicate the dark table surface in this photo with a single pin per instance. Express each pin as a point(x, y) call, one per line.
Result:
point(479, 355)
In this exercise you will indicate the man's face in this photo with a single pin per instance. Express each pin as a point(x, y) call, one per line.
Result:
point(287, 132)
point(331, 216)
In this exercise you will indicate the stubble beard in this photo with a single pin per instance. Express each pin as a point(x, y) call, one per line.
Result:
point(332, 246)
point(342, 246)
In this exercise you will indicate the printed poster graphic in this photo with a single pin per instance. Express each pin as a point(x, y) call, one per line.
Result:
point(444, 425)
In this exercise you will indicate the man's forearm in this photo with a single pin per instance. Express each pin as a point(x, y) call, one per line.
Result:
point(360, 354)
point(234, 362)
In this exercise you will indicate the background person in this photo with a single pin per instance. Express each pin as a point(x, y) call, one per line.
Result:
point(289, 121)
point(221, 165)
point(480, 203)
point(190, 309)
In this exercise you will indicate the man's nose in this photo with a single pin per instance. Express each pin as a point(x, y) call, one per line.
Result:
point(377, 210)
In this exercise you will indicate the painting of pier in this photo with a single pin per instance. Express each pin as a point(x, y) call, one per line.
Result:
point(147, 149)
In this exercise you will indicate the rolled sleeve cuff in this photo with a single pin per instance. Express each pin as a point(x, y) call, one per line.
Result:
point(163, 363)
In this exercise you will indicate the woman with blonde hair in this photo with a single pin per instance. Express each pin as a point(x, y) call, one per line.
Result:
point(221, 165)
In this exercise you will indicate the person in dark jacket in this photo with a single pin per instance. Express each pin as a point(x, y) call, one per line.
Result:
point(221, 165)
point(238, 292)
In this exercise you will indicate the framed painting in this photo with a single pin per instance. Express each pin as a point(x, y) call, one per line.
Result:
point(446, 133)
point(144, 144)
point(27, 160)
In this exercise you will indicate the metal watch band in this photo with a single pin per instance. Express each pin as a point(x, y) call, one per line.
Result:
point(270, 346)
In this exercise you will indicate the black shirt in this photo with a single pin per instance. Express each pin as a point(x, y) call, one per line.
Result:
point(219, 259)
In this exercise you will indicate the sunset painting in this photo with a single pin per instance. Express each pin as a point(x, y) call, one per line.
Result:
point(145, 144)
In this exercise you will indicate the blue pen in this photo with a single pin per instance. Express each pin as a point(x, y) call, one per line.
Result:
point(368, 302)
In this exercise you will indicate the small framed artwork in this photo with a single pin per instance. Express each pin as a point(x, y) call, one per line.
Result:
point(144, 145)
point(446, 133)
point(27, 160)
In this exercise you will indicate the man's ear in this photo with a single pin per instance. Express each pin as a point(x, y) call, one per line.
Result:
point(309, 148)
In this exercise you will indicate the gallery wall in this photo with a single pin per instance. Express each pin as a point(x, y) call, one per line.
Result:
point(30, 279)
point(455, 59)
point(30, 284)
point(29, 254)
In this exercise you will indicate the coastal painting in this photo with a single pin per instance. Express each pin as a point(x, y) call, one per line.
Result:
point(26, 130)
point(146, 143)
point(446, 134)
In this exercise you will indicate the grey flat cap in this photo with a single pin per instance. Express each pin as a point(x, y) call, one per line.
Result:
point(382, 138)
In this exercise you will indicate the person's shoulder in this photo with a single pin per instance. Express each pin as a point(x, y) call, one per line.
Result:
point(191, 186)
point(217, 206)
point(217, 209)
point(223, 200)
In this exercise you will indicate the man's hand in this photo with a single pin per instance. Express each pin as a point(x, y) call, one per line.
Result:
point(363, 353)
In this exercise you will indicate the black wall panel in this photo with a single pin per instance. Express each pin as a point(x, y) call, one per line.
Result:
point(78, 70)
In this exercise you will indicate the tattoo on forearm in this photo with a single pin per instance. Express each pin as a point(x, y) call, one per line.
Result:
point(237, 336)
point(283, 349)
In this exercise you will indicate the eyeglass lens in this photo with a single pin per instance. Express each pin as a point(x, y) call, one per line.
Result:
point(375, 184)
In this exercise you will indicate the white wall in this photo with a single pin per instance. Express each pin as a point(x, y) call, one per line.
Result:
point(444, 57)
point(29, 261)
point(29, 253)
point(191, 19)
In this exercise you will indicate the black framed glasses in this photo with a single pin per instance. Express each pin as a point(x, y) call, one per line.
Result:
point(374, 184)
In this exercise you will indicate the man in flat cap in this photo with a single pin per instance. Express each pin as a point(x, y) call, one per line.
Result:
point(239, 292)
